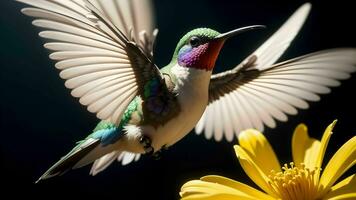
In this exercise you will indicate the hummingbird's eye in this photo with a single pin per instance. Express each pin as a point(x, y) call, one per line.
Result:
point(194, 41)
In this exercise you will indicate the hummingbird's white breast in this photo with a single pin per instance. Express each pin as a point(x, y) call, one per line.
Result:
point(192, 89)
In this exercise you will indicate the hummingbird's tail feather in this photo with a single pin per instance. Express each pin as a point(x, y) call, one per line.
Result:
point(84, 153)
point(105, 161)
point(102, 163)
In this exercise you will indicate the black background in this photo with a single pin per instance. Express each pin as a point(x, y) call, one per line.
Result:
point(40, 121)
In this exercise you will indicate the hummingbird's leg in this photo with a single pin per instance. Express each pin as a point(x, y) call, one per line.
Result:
point(158, 154)
point(147, 145)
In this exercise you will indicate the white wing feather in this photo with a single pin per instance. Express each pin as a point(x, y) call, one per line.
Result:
point(257, 93)
point(93, 58)
point(270, 51)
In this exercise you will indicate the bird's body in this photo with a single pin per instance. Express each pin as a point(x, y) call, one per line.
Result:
point(192, 97)
point(193, 90)
point(192, 93)
point(104, 49)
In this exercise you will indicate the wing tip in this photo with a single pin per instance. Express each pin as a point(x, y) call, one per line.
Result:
point(24, 10)
point(304, 9)
point(43, 34)
point(306, 6)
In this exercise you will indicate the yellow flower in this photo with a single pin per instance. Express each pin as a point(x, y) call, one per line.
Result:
point(302, 179)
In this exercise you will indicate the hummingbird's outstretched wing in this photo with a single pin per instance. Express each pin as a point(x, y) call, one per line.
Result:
point(103, 49)
point(257, 91)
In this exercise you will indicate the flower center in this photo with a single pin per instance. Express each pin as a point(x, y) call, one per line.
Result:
point(294, 182)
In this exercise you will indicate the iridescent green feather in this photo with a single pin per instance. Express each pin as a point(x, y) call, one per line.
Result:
point(201, 32)
point(126, 117)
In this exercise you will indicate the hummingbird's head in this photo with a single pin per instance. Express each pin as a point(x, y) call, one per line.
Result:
point(200, 47)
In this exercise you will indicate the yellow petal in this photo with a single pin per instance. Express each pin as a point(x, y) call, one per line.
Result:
point(342, 160)
point(324, 143)
point(237, 185)
point(259, 149)
point(345, 189)
point(198, 189)
point(350, 196)
point(304, 149)
point(253, 170)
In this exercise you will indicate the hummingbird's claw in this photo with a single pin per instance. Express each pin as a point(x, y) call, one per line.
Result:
point(147, 145)
point(149, 150)
point(157, 155)
point(145, 141)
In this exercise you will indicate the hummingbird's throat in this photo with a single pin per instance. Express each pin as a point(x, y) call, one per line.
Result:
point(202, 57)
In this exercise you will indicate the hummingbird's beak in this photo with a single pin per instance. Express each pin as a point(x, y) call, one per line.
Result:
point(229, 34)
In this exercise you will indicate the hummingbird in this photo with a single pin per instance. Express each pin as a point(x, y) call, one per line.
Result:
point(104, 50)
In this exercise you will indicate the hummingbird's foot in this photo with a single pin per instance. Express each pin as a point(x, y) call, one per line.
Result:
point(147, 145)
point(158, 154)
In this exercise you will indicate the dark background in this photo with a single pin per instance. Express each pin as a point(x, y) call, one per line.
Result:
point(40, 121)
